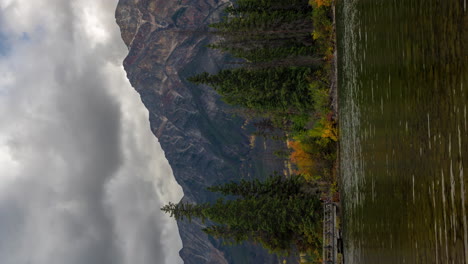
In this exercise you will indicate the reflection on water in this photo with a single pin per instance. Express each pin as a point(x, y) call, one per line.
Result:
point(403, 95)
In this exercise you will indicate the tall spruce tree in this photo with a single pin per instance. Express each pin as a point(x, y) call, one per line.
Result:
point(275, 185)
point(255, 25)
point(275, 213)
point(276, 56)
point(270, 89)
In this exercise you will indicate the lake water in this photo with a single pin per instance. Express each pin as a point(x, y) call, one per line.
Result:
point(403, 97)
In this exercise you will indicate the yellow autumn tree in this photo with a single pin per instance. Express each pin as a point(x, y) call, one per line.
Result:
point(303, 160)
point(329, 130)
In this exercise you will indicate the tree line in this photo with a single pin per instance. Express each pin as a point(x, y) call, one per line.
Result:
point(281, 214)
point(275, 60)
point(275, 57)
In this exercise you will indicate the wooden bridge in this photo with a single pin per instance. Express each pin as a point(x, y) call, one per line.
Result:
point(331, 234)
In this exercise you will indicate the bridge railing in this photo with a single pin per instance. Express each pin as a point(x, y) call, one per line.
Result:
point(330, 234)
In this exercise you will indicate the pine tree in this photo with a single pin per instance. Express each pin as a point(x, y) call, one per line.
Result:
point(276, 213)
point(182, 211)
point(283, 89)
point(246, 6)
point(275, 185)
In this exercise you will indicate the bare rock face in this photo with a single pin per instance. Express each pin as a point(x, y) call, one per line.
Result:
point(203, 142)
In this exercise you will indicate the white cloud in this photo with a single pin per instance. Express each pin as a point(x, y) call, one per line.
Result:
point(93, 26)
point(82, 176)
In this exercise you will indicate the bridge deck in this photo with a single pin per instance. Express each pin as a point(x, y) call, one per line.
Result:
point(330, 234)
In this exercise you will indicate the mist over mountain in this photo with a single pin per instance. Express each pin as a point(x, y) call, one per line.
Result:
point(204, 142)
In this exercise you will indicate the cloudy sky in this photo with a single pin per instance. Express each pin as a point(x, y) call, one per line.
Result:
point(81, 176)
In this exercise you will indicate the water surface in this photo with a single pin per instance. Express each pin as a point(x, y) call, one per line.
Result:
point(403, 99)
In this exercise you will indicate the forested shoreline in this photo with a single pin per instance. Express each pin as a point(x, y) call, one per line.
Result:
point(280, 77)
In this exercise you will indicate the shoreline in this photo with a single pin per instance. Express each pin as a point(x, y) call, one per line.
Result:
point(334, 73)
point(334, 104)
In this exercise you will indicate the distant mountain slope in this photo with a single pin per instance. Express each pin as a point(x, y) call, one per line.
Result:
point(203, 142)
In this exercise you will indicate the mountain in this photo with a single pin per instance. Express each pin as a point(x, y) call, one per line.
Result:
point(204, 142)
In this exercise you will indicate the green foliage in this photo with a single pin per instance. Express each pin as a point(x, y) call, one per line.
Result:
point(183, 211)
point(281, 214)
point(320, 147)
point(299, 123)
point(288, 55)
point(278, 58)
point(280, 78)
point(262, 31)
point(323, 30)
point(321, 97)
point(275, 185)
point(246, 6)
point(271, 89)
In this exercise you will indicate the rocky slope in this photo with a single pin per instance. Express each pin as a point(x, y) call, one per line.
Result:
point(203, 142)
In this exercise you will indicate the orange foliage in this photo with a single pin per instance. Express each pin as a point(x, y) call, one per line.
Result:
point(301, 159)
point(320, 3)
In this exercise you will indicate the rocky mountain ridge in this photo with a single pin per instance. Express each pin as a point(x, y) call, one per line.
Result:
point(203, 142)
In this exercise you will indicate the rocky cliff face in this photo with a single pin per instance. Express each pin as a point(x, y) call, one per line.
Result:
point(203, 142)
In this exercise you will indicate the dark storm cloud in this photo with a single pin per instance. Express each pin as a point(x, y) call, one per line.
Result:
point(83, 178)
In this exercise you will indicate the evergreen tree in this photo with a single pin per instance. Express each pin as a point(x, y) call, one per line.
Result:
point(183, 211)
point(276, 213)
point(276, 57)
point(246, 6)
point(275, 185)
point(273, 40)
point(272, 89)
